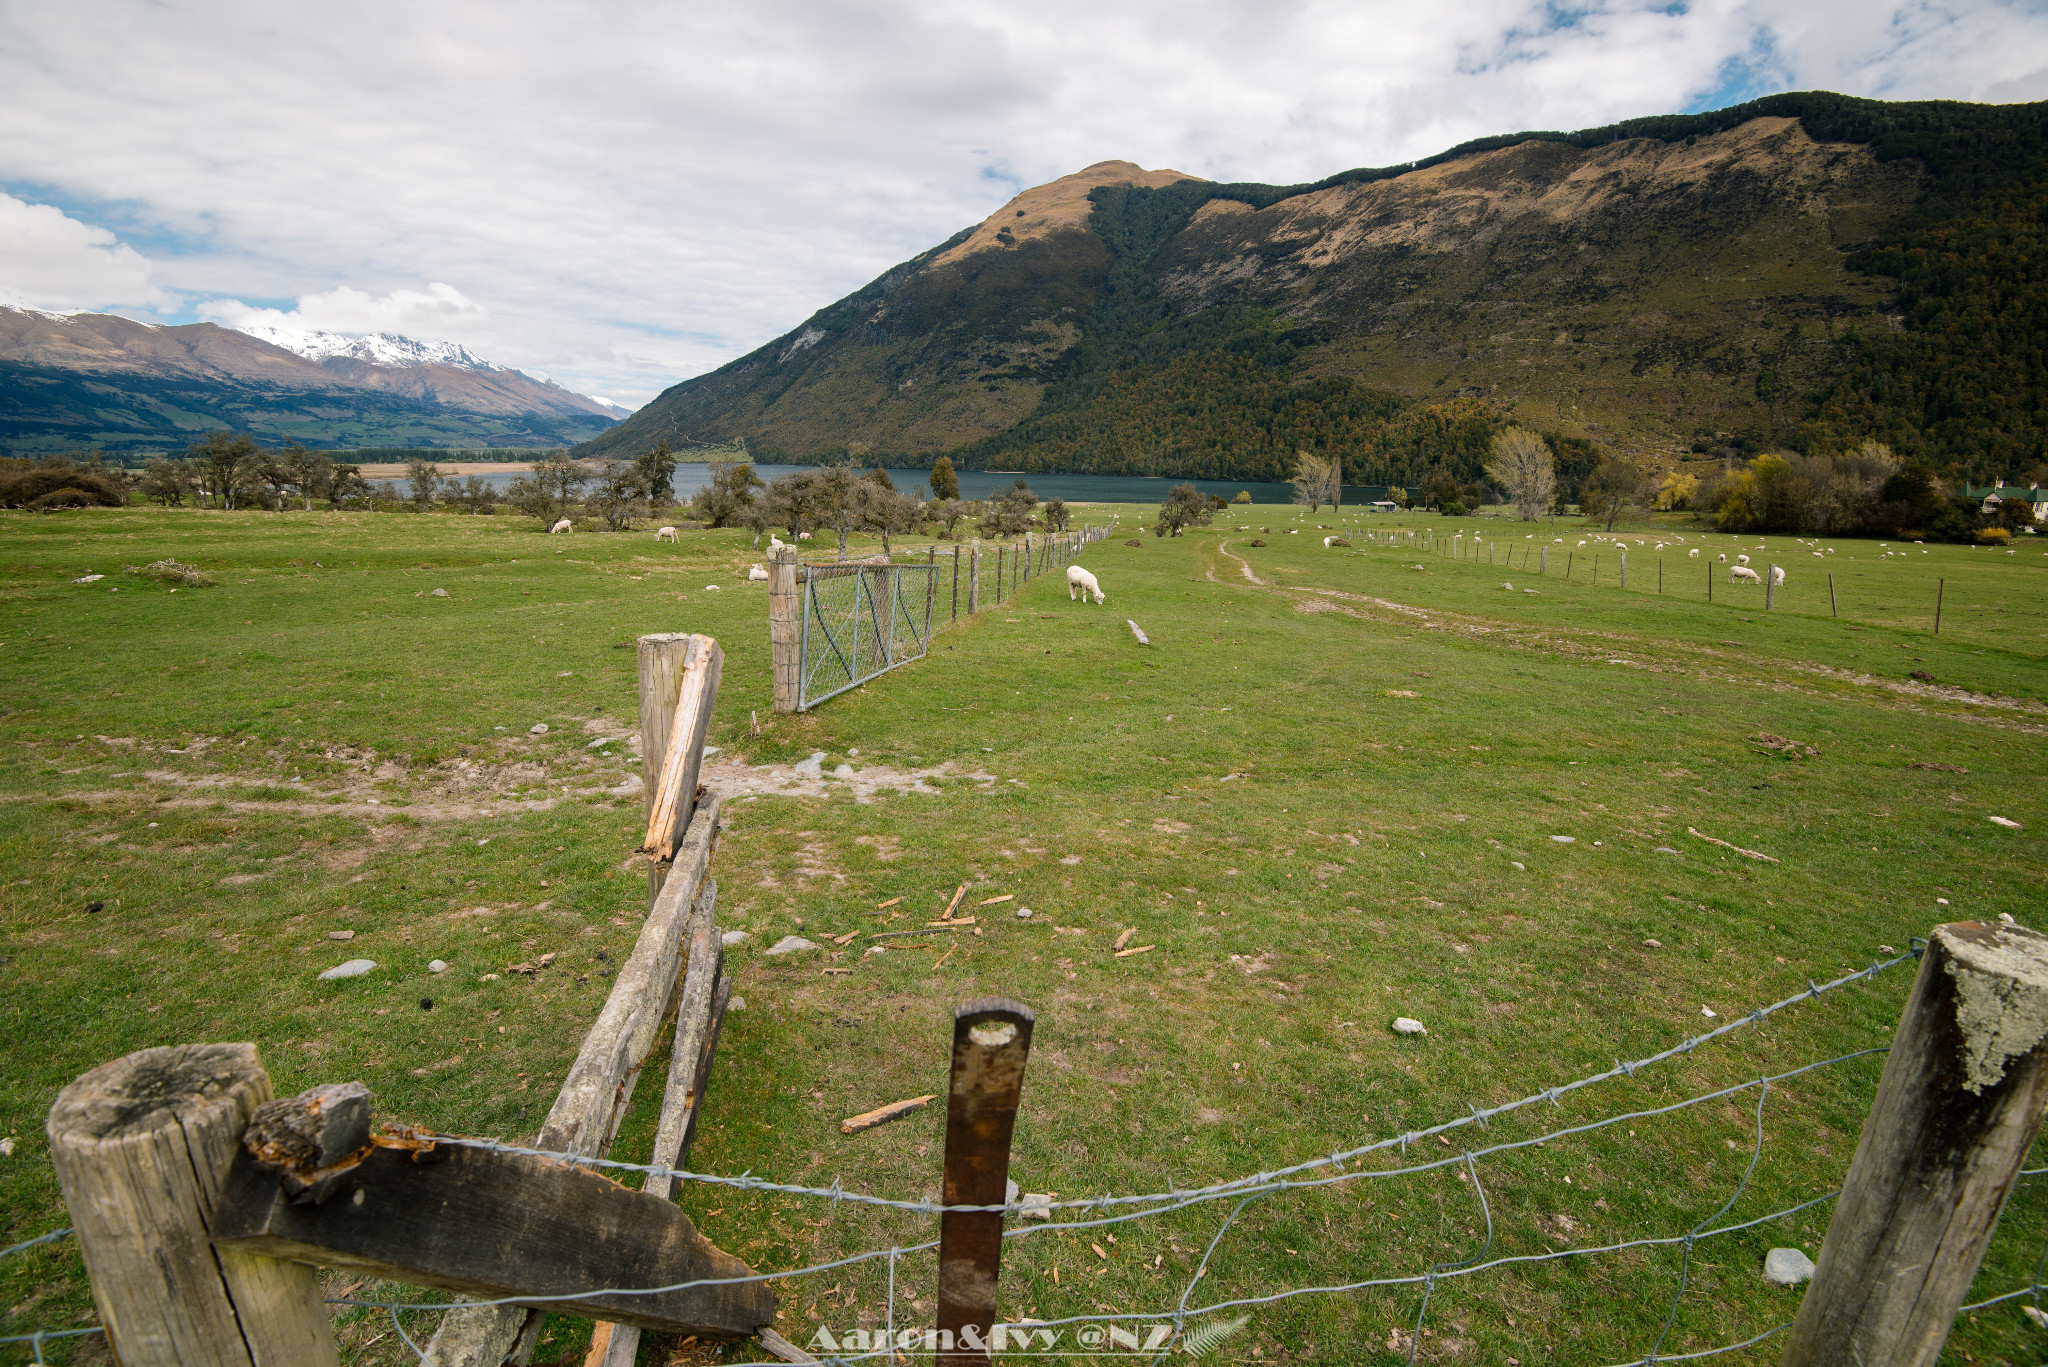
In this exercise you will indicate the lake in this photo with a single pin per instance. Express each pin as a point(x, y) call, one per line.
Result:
point(982, 483)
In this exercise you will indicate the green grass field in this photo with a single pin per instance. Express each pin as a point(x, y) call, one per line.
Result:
point(1326, 794)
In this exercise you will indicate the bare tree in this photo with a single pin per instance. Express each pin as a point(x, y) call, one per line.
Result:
point(1311, 479)
point(1523, 465)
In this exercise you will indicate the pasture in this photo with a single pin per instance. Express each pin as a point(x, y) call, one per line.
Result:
point(1327, 794)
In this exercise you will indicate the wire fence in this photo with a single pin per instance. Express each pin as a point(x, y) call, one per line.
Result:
point(1186, 1320)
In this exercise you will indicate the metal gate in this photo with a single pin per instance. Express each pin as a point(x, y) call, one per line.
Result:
point(859, 619)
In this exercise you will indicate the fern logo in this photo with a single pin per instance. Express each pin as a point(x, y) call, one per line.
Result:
point(1204, 1340)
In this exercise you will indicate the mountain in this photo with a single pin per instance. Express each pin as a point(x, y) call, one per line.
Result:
point(1805, 269)
point(99, 380)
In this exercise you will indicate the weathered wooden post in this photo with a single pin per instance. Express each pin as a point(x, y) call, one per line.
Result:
point(785, 644)
point(662, 656)
point(1956, 1111)
point(991, 1043)
point(1543, 561)
point(1940, 587)
point(1770, 585)
point(1833, 611)
point(1624, 567)
point(141, 1147)
point(974, 578)
point(956, 584)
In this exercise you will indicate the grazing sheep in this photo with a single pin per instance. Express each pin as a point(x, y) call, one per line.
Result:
point(1742, 560)
point(775, 543)
point(1078, 578)
point(1582, 543)
point(1693, 554)
point(1722, 557)
point(803, 536)
point(1777, 576)
point(562, 526)
point(1742, 574)
point(756, 572)
point(1326, 542)
point(665, 534)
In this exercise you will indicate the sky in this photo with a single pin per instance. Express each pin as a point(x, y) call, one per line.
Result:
point(623, 195)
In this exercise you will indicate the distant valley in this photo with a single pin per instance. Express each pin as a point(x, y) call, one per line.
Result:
point(101, 381)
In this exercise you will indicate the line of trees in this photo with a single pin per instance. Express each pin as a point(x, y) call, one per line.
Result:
point(844, 500)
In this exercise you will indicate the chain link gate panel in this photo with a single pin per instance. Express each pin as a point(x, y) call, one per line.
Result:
point(859, 620)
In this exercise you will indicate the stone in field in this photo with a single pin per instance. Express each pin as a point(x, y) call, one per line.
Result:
point(437, 966)
point(1404, 1026)
point(539, 728)
point(1565, 839)
point(354, 968)
point(1787, 1267)
point(790, 944)
point(733, 937)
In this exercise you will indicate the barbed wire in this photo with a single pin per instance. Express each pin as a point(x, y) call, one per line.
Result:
point(27, 1244)
point(1176, 1199)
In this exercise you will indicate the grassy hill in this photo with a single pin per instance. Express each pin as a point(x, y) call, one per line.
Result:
point(1806, 269)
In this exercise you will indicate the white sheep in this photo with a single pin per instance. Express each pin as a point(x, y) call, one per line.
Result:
point(803, 536)
point(562, 526)
point(1742, 560)
point(665, 534)
point(1693, 554)
point(1326, 542)
point(1078, 578)
point(1722, 557)
point(775, 543)
point(1742, 574)
point(1777, 576)
point(755, 572)
point(1509, 587)
point(1582, 544)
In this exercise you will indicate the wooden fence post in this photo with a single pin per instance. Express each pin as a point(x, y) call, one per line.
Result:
point(1770, 586)
point(1940, 587)
point(1624, 568)
point(141, 1147)
point(784, 642)
point(974, 578)
point(1956, 1111)
point(662, 656)
point(1833, 611)
point(991, 1043)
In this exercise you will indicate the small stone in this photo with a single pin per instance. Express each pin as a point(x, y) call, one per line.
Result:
point(1708, 1012)
point(814, 767)
point(7, 1147)
point(1565, 839)
point(1941, 901)
point(1666, 849)
point(790, 944)
point(89, 579)
point(488, 978)
point(601, 740)
point(736, 1004)
point(843, 771)
point(1011, 1191)
point(1404, 1026)
point(1037, 1206)
point(341, 935)
point(438, 593)
point(2007, 822)
point(1654, 944)
point(711, 588)
point(539, 728)
point(354, 968)
point(735, 937)
point(2006, 917)
point(1520, 865)
point(437, 966)
point(1787, 1267)
point(1023, 913)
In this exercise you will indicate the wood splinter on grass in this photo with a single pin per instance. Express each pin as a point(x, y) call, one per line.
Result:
point(1138, 632)
point(1124, 938)
point(991, 901)
point(1726, 846)
point(882, 1115)
point(883, 906)
point(1135, 949)
point(953, 905)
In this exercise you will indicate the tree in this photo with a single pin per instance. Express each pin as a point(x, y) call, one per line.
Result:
point(618, 496)
point(947, 512)
point(1523, 465)
point(424, 479)
point(728, 499)
point(1311, 479)
point(945, 481)
point(346, 487)
point(307, 473)
point(879, 508)
point(1243, 496)
point(657, 472)
point(226, 463)
point(792, 503)
point(1185, 506)
point(1009, 512)
point(1440, 488)
point(1618, 484)
point(167, 481)
point(476, 495)
point(1056, 515)
point(551, 490)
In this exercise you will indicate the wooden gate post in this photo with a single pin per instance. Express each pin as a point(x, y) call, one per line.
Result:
point(1957, 1109)
point(785, 644)
point(141, 1146)
point(991, 1043)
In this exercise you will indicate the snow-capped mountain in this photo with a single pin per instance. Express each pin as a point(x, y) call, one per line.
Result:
point(378, 348)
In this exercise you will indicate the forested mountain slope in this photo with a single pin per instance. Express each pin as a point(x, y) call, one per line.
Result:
point(1806, 269)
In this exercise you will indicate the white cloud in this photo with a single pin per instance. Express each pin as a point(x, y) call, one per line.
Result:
point(629, 192)
point(49, 260)
point(440, 312)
